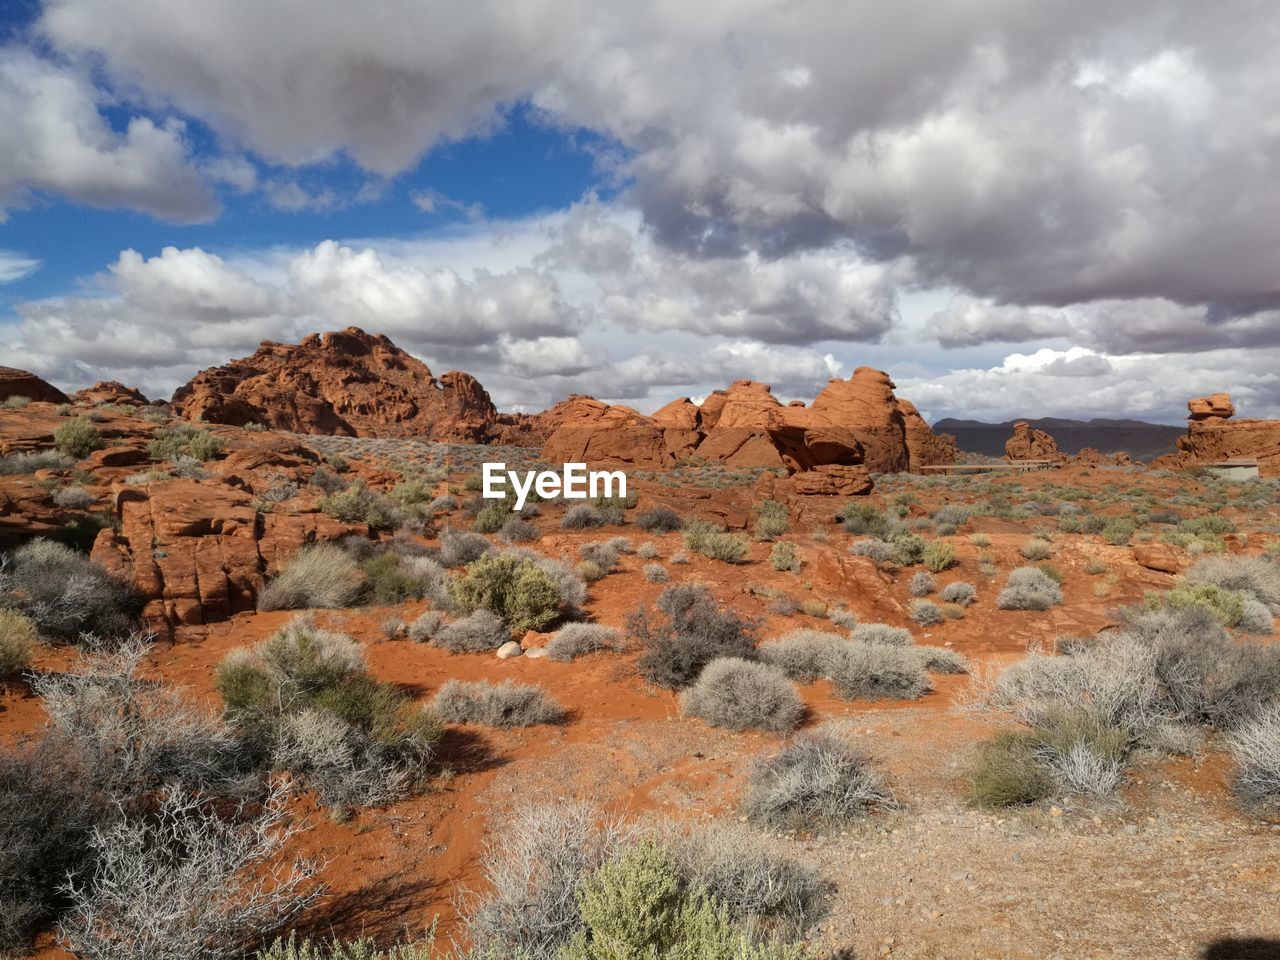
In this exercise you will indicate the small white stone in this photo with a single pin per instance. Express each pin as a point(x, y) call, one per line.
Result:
point(509, 649)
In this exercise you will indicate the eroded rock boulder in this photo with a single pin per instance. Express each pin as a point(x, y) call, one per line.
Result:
point(1028, 443)
point(20, 383)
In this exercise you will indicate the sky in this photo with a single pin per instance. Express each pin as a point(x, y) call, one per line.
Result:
point(1018, 210)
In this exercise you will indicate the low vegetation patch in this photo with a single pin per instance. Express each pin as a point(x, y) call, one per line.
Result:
point(743, 695)
point(689, 631)
point(575, 640)
point(64, 593)
point(506, 704)
point(322, 575)
point(1029, 588)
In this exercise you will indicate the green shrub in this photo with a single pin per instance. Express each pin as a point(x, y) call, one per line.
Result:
point(411, 492)
point(303, 700)
point(938, 556)
point(358, 504)
point(1037, 549)
point(18, 638)
point(1006, 772)
point(388, 580)
point(1119, 531)
point(511, 586)
point(1226, 606)
point(638, 906)
point(772, 520)
point(78, 438)
point(783, 556)
point(710, 541)
point(183, 440)
point(492, 518)
point(908, 549)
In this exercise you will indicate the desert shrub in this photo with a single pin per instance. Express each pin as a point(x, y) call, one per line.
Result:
point(16, 464)
point(188, 882)
point(78, 438)
point(724, 547)
point(959, 592)
point(803, 655)
point(843, 618)
point(511, 586)
point(135, 736)
point(1036, 549)
point(639, 906)
point(303, 700)
point(72, 498)
point(1255, 576)
point(328, 481)
point(506, 704)
point(574, 640)
point(390, 578)
point(739, 869)
point(784, 556)
point(655, 573)
point(908, 549)
point(481, 631)
point(18, 639)
point(742, 695)
point(411, 492)
point(584, 516)
point(874, 671)
point(1162, 667)
point(532, 870)
point(1118, 531)
point(694, 630)
point(1069, 750)
point(921, 584)
point(459, 548)
point(570, 589)
point(1256, 617)
point(659, 520)
point(393, 627)
point(926, 613)
point(1255, 747)
point(603, 555)
point(1006, 772)
point(815, 780)
point(64, 593)
point(864, 519)
point(1225, 606)
point(358, 504)
point(16, 402)
point(590, 571)
point(647, 551)
point(813, 607)
point(492, 518)
point(881, 633)
point(940, 659)
point(938, 555)
point(426, 627)
point(322, 575)
point(518, 530)
point(1029, 588)
point(772, 520)
point(980, 540)
point(48, 810)
point(878, 551)
point(183, 440)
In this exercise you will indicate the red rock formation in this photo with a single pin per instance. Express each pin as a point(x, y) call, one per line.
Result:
point(1213, 435)
point(1028, 443)
point(198, 552)
point(20, 383)
point(853, 423)
point(348, 383)
point(111, 391)
point(1214, 405)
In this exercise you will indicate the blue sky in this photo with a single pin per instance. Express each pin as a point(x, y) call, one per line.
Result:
point(1015, 215)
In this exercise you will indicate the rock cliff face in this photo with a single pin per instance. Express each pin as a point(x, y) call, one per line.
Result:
point(1028, 443)
point(856, 423)
point(20, 383)
point(1213, 435)
point(348, 383)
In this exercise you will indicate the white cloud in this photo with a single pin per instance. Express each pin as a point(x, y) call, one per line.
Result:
point(14, 266)
point(56, 142)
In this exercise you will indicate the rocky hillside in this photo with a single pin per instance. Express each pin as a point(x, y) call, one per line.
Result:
point(348, 383)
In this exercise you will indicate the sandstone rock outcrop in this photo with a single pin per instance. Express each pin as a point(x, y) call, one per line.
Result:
point(1214, 435)
point(1214, 405)
point(20, 383)
point(852, 423)
point(111, 391)
point(1027, 443)
point(348, 383)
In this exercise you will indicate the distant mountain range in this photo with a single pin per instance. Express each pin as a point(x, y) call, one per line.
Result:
point(1141, 440)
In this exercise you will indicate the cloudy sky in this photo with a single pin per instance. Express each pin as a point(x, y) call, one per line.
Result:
point(1018, 209)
